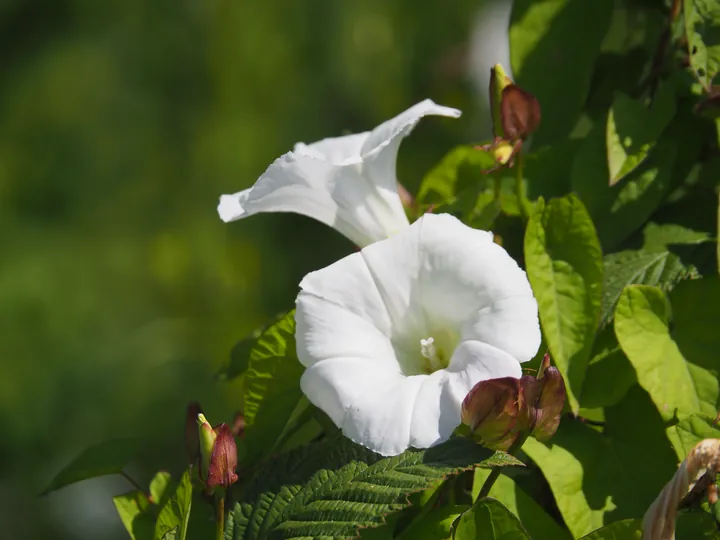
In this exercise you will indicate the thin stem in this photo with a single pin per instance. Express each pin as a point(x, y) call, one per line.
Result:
point(497, 191)
point(133, 482)
point(520, 191)
point(493, 476)
point(220, 530)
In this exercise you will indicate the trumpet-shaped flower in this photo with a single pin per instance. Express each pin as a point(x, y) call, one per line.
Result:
point(395, 336)
point(348, 183)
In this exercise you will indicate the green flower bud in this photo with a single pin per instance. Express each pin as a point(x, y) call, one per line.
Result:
point(207, 442)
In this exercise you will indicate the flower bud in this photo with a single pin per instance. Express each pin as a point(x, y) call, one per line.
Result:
point(207, 442)
point(221, 472)
point(550, 404)
point(491, 410)
point(499, 411)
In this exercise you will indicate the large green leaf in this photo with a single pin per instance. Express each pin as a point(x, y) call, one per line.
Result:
point(538, 523)
point(641, 325)
point(331, 488)
point(272, 386)
point(489, 519)
point(109, 457)
point(632, 129)
point(175, 513)
point(564, 265)
point(598, 478)
point(133, 509)
point(553, 60)
point(436, 524)
point(702, 28)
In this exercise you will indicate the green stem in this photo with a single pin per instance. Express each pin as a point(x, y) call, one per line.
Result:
point(520, 191)
point(493, 476)
point(220, 530)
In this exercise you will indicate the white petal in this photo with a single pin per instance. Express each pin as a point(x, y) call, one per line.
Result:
point(336, 150)
point(380, 149)
point(335, 385)
point(335, 195)
point(439, 401)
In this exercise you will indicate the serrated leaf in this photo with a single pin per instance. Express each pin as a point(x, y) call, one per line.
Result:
point(272, 386)
point(564, 265)
point(597, 478)
point(175, 514)
point(702, 28)
point(554, 61)
point(690, 431)
point(331, 488)
point(489, 519)
point(133, 511)
point(539, 525)
point(109, 457)
point(632, 129)
point(641, 326)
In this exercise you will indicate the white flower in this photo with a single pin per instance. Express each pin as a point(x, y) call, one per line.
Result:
point(395, 336)
point(347, 182)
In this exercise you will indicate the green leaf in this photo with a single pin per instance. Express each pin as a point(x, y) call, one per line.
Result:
point(272, 386)
point(436, 524)
point(553, 60)
point(687, 433)
point(564, 265)
point(659, 238)
point(632, 129)
point(133, 511)
point(159, 487)
point(489, 519)
point(109, 457)
point(627, 529)
point(609, 375)
point(598, 478)
point(333, 487)
point(641, 326)
point(702, 28)
point(175, 514)
point(538, 523)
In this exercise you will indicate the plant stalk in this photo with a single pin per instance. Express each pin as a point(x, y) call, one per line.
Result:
point(493, 476)
point(220, 530)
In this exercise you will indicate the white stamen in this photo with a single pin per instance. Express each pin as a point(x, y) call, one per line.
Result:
point(427, 349)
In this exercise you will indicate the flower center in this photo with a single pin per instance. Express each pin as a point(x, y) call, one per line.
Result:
point(434, 357)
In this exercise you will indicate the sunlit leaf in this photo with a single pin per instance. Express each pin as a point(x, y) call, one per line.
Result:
point(133, 511)
point(690, 431)
point(489, 519)
point(702, 28)
point(609, 374)
point(564, 265)
point(175, 513)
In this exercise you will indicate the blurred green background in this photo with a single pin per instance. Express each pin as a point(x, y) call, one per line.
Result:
point(121, 123)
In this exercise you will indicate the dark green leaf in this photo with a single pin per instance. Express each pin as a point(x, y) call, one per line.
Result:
point(332, 488)
point(109, 457)
point(597, 478)
point(553, 60)
point(538, 523)
point(436, 524)
point(627, 529)
point(489, 519)
point(133, 511)
point(609, 375)
point(564, 265)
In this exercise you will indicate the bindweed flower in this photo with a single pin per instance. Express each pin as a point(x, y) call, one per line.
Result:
point(396, 335)
point(348, 183)
point(500, 411)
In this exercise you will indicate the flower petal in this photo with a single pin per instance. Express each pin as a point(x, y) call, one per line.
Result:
point(380, 149)
point(341, 384)
point(336, 150)
point(439, 402)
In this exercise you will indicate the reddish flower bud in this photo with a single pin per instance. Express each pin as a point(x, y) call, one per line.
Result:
point(223, 461)
point(550, 404)
point(491, 409)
